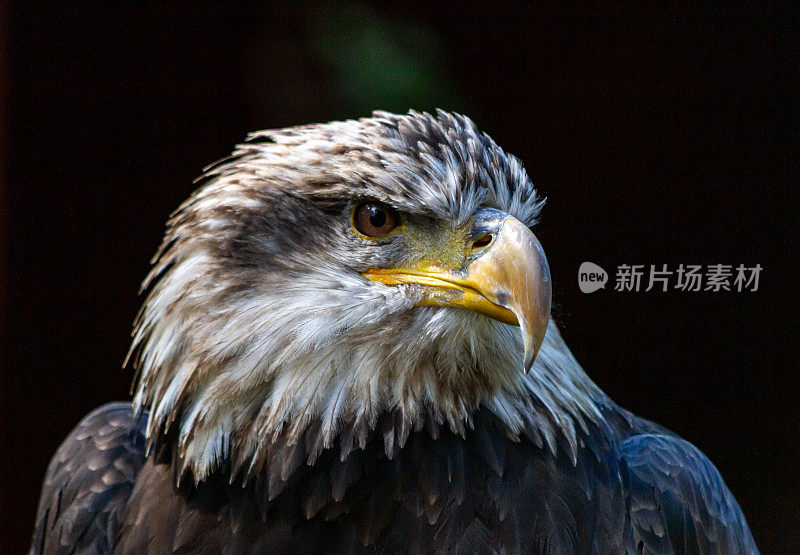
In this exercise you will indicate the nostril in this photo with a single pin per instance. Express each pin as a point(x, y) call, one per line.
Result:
point(482, 241)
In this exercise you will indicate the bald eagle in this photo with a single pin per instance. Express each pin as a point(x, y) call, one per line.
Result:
point(347, 346)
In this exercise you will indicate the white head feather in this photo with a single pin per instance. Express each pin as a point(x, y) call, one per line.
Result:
point(258, 322)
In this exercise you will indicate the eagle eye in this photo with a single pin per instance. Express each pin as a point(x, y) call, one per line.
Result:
point(374, 219)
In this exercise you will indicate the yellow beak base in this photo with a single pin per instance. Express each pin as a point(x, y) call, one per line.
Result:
point(509, 281)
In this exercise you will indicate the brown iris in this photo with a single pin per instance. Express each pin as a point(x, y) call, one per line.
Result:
point(374, 219)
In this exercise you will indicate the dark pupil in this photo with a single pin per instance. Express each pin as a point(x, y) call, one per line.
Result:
point(377, 217)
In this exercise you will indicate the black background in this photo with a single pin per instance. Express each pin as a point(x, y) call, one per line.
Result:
point(659, 135)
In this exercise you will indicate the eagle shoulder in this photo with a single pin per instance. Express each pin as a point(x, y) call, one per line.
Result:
point(88, 483)
point(678, 502)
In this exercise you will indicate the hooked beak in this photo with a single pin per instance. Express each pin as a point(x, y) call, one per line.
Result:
point(505, 277)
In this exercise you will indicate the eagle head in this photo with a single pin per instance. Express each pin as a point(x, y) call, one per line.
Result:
point(325, 275)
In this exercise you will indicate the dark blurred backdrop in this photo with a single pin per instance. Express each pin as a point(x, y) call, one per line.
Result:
point(659, 135)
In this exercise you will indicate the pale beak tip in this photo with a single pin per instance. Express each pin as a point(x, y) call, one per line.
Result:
point(529, 358)
point(532, 343)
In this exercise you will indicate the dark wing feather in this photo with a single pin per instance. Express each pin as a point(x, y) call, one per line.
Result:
point(678, 501)
point(88, 483)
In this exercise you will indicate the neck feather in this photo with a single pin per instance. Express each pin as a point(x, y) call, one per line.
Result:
point(240, 405)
